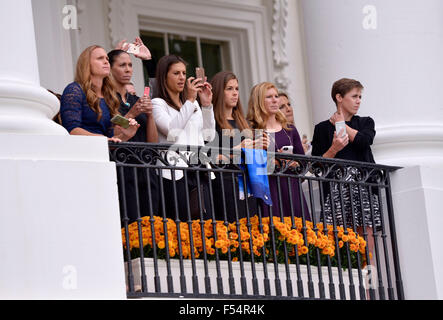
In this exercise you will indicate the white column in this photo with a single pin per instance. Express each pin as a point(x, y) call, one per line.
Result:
point(25, 107)
point(395, 49)
point(60, 235)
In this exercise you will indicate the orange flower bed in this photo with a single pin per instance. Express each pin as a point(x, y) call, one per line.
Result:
point(255, 238)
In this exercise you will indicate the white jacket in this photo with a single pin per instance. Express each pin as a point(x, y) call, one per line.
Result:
point(191, 125)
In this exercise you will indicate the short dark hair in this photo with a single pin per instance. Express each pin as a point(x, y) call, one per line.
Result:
point(343, 86)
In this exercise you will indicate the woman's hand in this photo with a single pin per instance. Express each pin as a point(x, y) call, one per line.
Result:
point(205, 94)
point(283, 162)
point(262, 142)
point(114, 139)
point(339, 142)
point(144, 54)
point(121, 46)
point(193, 87)
point(336, 117)
point(143, 105)
point(126, 134)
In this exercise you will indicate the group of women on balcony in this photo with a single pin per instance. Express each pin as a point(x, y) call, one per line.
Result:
point(190, 111)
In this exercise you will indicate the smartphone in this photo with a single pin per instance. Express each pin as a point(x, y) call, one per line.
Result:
point(147, 90)
point(134, 49)
point(121, 121)
point(200, 73)
point(339, 125)
point(287, 149)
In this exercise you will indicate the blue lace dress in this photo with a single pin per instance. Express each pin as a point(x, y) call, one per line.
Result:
point(76, 113)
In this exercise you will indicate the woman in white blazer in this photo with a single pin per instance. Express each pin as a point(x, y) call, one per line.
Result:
point(181, 120)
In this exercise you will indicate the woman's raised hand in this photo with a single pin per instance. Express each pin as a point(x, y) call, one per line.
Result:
point(144, 54)
point(193, 87)
point(205, 94)
point(122, 45)
point(337, 116)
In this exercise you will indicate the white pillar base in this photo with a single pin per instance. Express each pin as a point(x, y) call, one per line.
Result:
point(60, 232)
point(417, 193)
point(409, 145)
point(26, 108)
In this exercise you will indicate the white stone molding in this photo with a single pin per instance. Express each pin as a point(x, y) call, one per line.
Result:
point(25, 107)
point(415, 144)
point(279, 30)
point(245, 26)
point(116, 20)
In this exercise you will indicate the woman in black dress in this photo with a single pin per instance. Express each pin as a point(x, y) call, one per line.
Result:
point(140, 109)
point(231, 126)
point(354, 145)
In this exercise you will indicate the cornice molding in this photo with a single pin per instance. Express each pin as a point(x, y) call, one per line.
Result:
point(116, 20)
point(279, 30)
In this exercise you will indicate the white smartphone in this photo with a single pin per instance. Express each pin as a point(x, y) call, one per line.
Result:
point(287, 149)
point(134, 49)
point(339, 125)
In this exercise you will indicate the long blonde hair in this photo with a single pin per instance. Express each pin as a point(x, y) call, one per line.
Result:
point(83, 78)
point(257, 114)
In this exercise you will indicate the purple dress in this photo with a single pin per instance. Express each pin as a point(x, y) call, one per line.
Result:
point(287, 138)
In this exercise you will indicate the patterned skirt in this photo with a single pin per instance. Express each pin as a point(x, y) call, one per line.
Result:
point(353, 205)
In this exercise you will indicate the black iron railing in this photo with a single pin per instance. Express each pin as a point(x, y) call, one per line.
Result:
point(329, 234)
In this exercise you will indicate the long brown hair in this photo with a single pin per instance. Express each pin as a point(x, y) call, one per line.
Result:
point(163, 66)
point(83, 78)
point(218, 83)
point(257, 114)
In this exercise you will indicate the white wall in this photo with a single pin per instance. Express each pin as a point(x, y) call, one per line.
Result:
point(299, 90)
point(417, 194)
point(60, 232)
point(53, 42)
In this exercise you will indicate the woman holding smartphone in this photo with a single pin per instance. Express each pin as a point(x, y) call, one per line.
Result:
point(232, 126)
point(130, 105)
point(264, 114)
point(181, 120)
point(88, 104)
point(140, 108)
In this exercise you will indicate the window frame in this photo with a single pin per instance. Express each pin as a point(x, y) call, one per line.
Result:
point(245, 27)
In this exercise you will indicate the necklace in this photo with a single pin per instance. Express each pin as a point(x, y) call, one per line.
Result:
point(272, 136)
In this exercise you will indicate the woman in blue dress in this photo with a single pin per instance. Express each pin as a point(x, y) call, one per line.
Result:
point(88, 104)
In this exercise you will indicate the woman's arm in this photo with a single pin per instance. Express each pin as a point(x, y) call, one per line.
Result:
point(71, 107)
point(208, 123)
point(166, 123)
point(151, 129)
point(296, 142)
point(364, 137)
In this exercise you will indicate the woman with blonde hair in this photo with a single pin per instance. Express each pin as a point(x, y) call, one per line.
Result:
point(264, 114)
point(88, 104)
